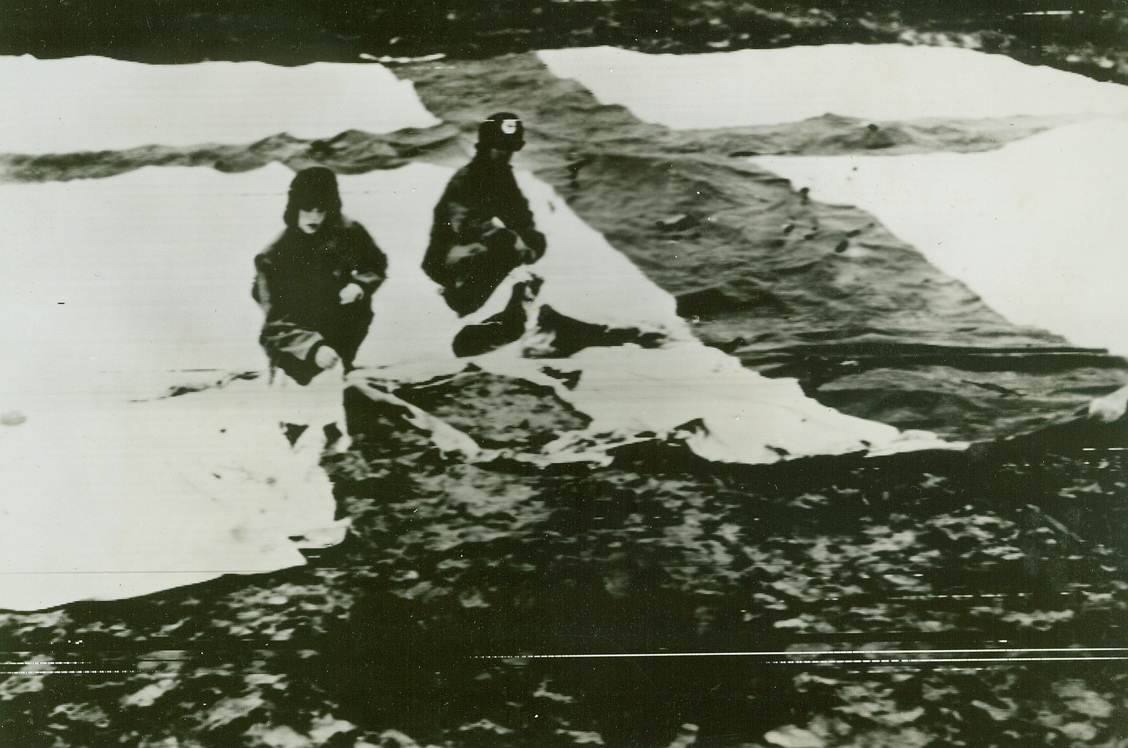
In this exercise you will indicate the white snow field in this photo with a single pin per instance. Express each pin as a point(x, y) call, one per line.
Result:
point(1037, 228)
point(876, 82)
point(121, 287)
point(95, 103)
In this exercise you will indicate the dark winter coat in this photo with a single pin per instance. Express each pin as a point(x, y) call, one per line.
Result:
point(298, 281)
point(469, 254)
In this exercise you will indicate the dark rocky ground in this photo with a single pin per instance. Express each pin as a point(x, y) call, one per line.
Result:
point(1090, 40)
point(948, 599)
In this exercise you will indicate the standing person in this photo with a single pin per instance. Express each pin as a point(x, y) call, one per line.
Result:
point(483, 227)
point(315, 282)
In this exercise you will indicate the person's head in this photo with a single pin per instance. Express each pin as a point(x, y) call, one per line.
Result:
point(500, 135)
point(314, 200)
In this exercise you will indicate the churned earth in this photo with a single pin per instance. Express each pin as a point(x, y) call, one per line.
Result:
point(957, 599)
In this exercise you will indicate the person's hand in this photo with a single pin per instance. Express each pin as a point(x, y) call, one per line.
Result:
point(463, 252)
point(351, 293)
point(326, 357)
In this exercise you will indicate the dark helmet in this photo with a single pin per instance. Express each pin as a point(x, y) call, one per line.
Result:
point(503, 130)
point(315, 187)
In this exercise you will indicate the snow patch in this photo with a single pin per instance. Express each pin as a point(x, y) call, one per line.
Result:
point(96, 103)
point(875, 82)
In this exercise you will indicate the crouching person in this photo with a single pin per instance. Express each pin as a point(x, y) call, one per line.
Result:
point(315, 282)
point(483, 231)
point(315, 285)
point(483, 227)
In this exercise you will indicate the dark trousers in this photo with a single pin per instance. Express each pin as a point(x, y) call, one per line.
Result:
point(481, 269)
point(343, 334)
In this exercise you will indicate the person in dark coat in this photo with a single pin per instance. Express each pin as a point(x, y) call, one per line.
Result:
point(483, 227)
point(315, 282)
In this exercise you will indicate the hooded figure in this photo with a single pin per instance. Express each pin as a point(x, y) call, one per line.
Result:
point(480, 220)
point(315, 282)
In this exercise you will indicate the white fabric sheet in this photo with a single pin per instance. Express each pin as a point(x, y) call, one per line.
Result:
point(1037, 228)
